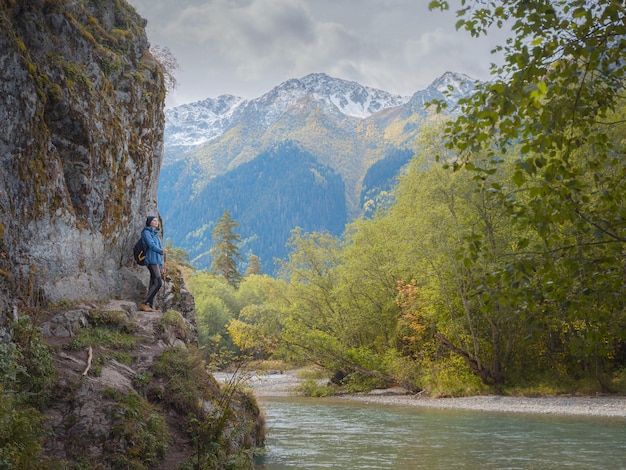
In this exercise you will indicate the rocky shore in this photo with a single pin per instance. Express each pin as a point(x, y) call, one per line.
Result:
point(281, 384)
point(601, 406)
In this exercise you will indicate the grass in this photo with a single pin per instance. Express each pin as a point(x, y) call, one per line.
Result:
point(111, 318)
point(101, 336)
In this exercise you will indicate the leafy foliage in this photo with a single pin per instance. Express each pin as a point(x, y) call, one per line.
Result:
point(216, 304)
point(441, 292)
point(560, 98)
point(20, 432)
point(140, 427)
point(219, 420)
point(237, 321)
point(26, 374)
point(186, 379)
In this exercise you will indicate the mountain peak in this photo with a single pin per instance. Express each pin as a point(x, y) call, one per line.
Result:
point(348, 97)
point(457, 83)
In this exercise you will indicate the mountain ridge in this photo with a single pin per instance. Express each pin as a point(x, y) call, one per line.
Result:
point(341, 125)
point(191, 125)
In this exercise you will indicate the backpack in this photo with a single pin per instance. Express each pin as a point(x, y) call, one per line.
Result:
point(139, 252)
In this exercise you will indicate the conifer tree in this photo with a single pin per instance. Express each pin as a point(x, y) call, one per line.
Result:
point(225, 251)
point(254, 266)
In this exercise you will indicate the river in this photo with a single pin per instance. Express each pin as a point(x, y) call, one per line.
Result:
point(305, 433)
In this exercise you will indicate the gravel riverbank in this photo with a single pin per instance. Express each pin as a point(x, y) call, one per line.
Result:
point(281, 384)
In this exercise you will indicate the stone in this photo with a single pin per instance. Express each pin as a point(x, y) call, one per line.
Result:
point(64, 324)
point(392, 391)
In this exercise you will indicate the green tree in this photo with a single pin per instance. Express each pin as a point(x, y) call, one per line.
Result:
point(254, 266)
point(562, 74)
point(367, 283)
point(312, 321)
point(320, 321)
point(225, 251)
point(559, 96)
point(258, 327)
point(235, 321)
point(459, 236)
point(216, 306)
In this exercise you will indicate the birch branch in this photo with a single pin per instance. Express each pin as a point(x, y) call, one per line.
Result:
point(89, 358)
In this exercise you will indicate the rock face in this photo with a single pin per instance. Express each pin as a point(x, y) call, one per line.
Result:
point(81, 107)
point(128, 388)
point(85, 408)
point(81, 132)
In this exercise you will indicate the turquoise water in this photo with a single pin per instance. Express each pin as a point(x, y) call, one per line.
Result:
point(335, 434)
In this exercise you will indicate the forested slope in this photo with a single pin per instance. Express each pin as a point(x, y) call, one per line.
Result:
point(283, 188)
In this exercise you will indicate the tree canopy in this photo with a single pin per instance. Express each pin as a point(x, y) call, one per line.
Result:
point(500, 263)
point(558, 101)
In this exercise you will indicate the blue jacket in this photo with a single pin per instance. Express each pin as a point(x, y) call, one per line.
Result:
point(152, 244)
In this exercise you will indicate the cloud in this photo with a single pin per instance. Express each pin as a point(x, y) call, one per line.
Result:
point(262, 36)
point(246, 47)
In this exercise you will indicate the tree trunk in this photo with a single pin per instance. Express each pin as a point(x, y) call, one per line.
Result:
point(486, 376)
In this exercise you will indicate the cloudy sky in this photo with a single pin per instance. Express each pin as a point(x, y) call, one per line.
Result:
point(247, 47)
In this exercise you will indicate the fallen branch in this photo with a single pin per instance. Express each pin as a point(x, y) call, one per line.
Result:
point(89, 358)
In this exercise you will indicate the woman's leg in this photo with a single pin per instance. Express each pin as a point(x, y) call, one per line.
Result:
point(155, 283)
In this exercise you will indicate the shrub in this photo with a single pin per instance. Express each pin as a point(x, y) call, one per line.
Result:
point(35, 371)
point(26, 374)
point(139, 429)
point(312, 388)
point(187, 381)
point(223, 424)
point(20, 432)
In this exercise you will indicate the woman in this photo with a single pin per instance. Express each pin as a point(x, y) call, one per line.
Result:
point(154, 261)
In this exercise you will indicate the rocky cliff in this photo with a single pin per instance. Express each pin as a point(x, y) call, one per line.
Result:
point(87, 380)
point(130, 390)
point(81, 107)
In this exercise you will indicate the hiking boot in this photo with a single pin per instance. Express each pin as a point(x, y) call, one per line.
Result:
point(145, 308)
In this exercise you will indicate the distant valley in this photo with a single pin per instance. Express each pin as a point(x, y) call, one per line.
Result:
point(314, 153)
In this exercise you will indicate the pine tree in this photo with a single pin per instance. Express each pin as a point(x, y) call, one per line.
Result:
point(225, 251)
point(254, 266)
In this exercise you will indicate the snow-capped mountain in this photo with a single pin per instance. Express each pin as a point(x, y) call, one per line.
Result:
point(450, 87)
point(314, 153)
point(350, 98)
point(457, 84)
point(191, 125)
